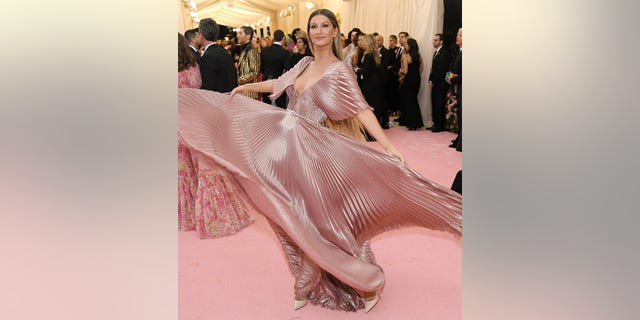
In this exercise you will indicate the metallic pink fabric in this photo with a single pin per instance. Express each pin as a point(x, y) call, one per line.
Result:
point(324, 193)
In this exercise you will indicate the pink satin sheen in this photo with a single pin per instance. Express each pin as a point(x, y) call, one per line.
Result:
point(324, 193)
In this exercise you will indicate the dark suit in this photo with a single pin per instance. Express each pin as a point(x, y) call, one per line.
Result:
point(456, 89)
point(397, 54)
point(387, 60)
point(272, 64)
point(195, 54)
point(439, 68)
point(393, 94)
point(217, 70)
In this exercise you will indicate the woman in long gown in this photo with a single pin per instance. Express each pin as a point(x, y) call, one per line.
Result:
point(411, 67)
point(188, 70)
point(208, 200)
point(324, 193)
point(366, 62)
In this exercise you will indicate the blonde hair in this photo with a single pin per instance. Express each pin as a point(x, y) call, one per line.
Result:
point(370, 47)
point(351, 127)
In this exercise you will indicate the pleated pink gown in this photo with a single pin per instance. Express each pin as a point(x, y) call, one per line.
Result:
point(324, 193)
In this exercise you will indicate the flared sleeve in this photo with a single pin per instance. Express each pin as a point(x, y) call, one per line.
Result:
point(288, 78)
point(338, 94)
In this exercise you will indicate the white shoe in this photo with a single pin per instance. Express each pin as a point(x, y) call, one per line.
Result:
point(369, 304)
point(297, 304)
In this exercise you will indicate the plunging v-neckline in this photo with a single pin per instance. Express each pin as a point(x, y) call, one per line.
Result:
point(314, 83)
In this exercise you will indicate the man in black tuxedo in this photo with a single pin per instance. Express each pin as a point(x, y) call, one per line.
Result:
point(386, 64)
point(402, 39)
point(194, 43)
point(216, 65)
point(438, 84)
point(456, 89)
point(272, 60)
point(393, 96)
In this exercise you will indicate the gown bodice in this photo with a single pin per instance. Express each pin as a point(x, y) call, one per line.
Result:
point(319, 100)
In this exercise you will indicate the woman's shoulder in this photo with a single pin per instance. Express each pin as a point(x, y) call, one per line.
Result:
point(339, 66)
point(302, 62)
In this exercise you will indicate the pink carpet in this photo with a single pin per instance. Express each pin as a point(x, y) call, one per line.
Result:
point(245, 276)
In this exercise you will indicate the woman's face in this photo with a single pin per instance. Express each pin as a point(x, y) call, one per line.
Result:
point(361, 43)
point(353, 36)
point(300, 45)
point(321, 31)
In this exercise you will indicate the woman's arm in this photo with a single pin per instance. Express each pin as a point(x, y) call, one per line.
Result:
point(346, 50)
point(404, 67)
point(264, 86)
point(354, 58)
point(370, 122)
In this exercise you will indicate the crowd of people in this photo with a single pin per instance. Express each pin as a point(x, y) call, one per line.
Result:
point(389, 77)
point(324, 192)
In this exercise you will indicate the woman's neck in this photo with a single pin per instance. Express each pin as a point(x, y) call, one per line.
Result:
point(324, 55)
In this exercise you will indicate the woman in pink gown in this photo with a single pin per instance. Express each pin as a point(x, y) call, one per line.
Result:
point(324, 193)
point(208, 200)
point(188, 70)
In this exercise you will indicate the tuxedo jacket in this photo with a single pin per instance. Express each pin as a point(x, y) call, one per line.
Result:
point(387, 59)
point(195, 54)
point(397, 59)
point(217, 70)
point(439, 67)
point(272, 61)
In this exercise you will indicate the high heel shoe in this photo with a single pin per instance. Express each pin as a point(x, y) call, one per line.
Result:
point(297, 304)
point(371, 302)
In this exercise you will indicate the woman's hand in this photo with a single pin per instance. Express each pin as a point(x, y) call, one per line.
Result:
point(239, 89)
point(392, 151)
point(370, 122)
point(263, 86)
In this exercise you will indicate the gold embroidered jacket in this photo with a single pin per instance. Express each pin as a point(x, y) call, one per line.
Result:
point(249, 65)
